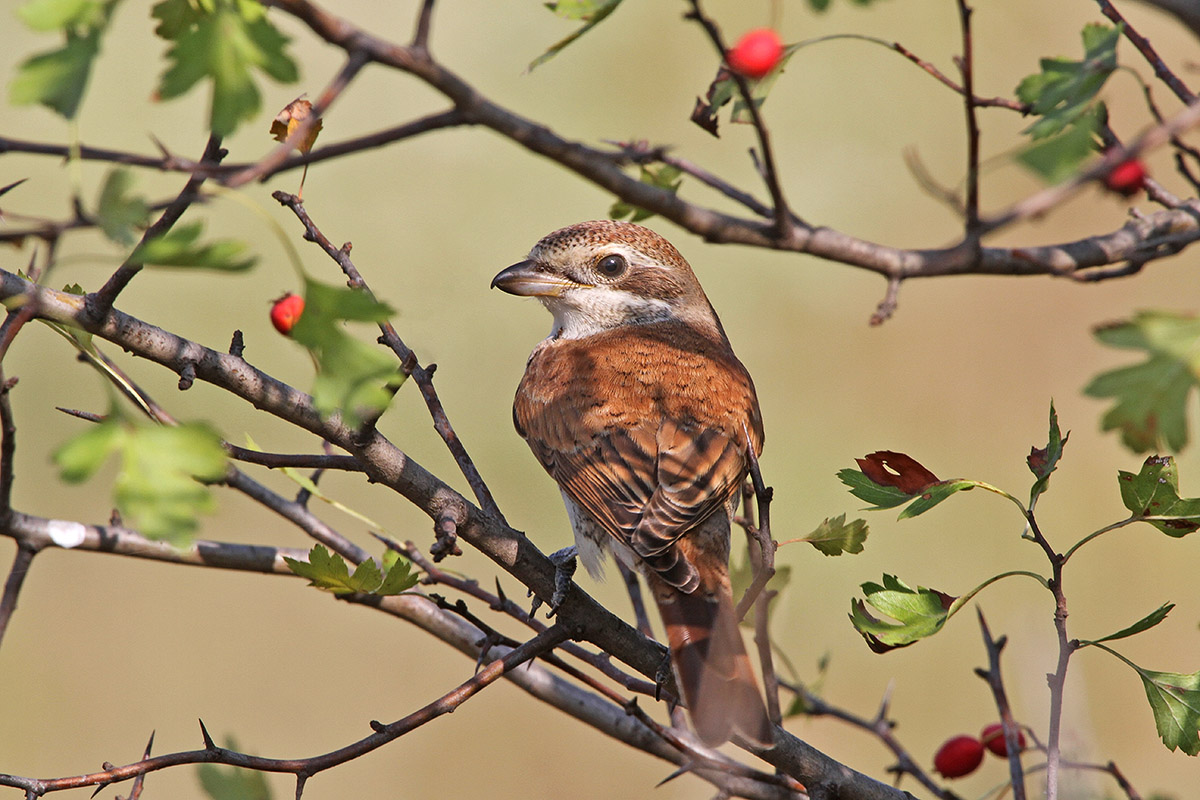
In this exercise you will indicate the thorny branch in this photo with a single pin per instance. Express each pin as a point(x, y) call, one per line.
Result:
point(1142, 239)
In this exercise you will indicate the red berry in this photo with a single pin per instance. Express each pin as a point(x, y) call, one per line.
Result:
point(958, 756)
point(286, 311)
point(756, 53)
point(993, 739)
point(1127, 178)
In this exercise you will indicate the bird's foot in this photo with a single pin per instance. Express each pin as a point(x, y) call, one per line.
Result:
point(564, 568)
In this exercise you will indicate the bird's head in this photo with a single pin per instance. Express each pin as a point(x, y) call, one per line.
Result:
point(599, 275)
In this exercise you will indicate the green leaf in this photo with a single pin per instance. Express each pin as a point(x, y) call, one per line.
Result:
point(661, 176)
point(1144, 624)
point(1151, 397)
point(593, 12)
point(57, 78)
point(353, 377)
point(724, 90)
point(880, 497)
point(157, 489)
point(1064, 89)
point(1058, 157)
point(224, 42)
point(917, 613)
point(834, 537)
point(400, 577)
point(118, 212)
point(1175, 700)
point(1063, 95)
point(232, 783)
point(81, 457)
point(936, 494)
point(329, 572)
point(178, 247)
point(55, 15)
point(1154, 492)
point(1042, 462)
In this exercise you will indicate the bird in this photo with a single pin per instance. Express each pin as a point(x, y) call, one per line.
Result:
point(638, 408)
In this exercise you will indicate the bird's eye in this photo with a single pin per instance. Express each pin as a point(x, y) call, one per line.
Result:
point(612, 266)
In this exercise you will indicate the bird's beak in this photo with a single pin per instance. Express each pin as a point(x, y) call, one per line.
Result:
point(527, 280)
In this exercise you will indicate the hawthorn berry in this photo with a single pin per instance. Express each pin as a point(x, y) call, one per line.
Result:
point(958, 756)
point(286, 311)
point(1127, 178)
point(992, 738)
point(756, 53)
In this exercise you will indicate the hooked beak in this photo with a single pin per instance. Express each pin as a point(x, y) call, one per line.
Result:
point(527, 280)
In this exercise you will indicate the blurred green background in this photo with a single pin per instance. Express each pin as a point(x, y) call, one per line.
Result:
point(103, 650)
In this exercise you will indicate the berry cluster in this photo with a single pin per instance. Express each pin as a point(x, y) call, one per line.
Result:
point(962, 755)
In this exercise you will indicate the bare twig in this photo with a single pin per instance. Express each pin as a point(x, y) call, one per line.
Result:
point(995, 682)
point(1161, 70)
point(408, 359)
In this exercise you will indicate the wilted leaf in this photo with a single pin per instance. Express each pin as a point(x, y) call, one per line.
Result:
point(917, 613)
point(353, 377)
point(592, 12)
point(662, 176)
point(1154, 492)
point(1151, 397)
point(290, 118)
point(179, 247)
point(1043, 461)
point(223, 41)
point(834, 537)
point(888, 468)
point(1144, 624)
point(119, 212)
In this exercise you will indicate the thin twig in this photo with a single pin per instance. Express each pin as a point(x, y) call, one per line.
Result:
point(995, 682)
point(966, 67)
point(14, 582)
point(782, 214)
point(100, 302)
point(1161, 70)
point(408, 359)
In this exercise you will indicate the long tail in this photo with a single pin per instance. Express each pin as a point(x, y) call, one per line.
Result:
point(713, 669)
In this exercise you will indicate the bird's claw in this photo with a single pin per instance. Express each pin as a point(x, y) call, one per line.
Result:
point(564, 568)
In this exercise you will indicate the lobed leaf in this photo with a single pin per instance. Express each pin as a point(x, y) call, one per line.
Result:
point(1154, 492)
point(157, 488)
point(1151, 397)
point(179, 247)
point(223, 42)
point(329, 572)
point(834, 537)
point(916, 613)
point(118, 211)
point(353, 377)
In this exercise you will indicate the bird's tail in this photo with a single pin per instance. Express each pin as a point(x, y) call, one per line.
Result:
point(713, 669)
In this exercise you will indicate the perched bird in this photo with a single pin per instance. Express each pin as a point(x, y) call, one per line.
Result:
point(638, 408)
